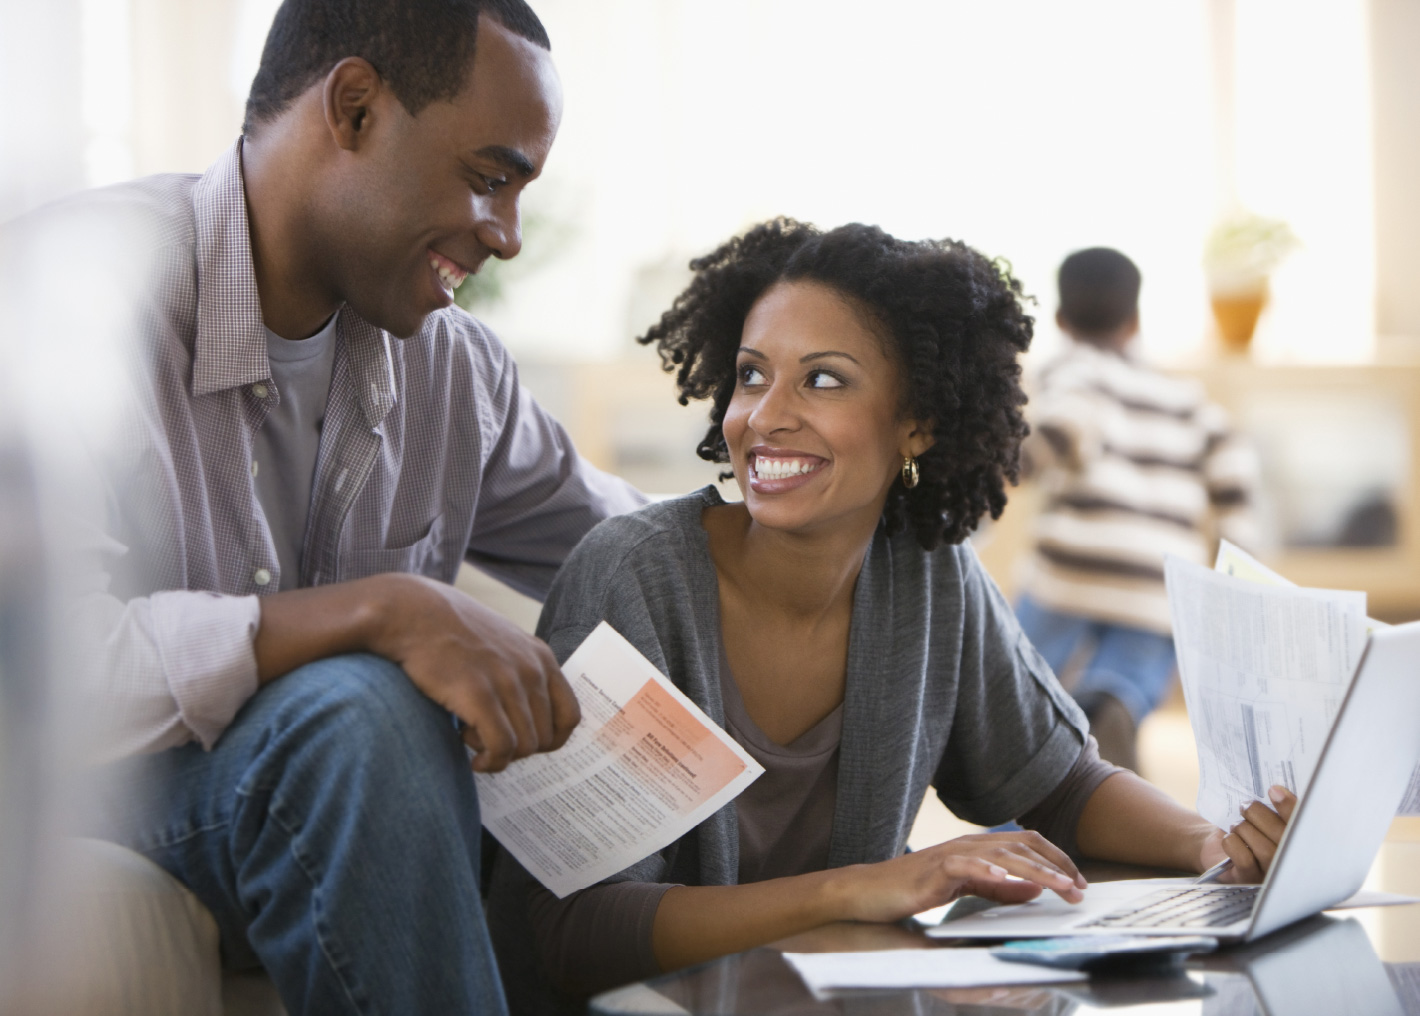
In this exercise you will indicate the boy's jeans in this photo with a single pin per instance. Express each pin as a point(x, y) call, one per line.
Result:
point(333, 831)
point(1133, 665)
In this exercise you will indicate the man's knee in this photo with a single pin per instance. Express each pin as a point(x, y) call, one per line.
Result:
point(358, 720)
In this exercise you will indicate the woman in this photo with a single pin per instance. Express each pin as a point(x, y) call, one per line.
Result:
point(865, 395)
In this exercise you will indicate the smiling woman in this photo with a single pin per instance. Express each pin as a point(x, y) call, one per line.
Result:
point(865, 394)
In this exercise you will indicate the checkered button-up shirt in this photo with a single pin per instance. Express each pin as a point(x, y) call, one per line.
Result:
point(431, 452)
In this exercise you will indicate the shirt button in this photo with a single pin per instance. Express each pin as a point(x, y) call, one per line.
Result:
point(253, 469)
point(262, 577)
point(259, 390)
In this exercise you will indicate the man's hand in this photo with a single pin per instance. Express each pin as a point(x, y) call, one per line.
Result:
point(504, 685)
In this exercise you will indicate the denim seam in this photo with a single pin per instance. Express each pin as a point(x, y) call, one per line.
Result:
point(322, 930)
point(162, 840)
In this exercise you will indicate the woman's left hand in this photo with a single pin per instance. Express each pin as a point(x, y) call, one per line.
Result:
point(1251, 843)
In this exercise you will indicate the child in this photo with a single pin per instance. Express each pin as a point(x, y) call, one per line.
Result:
point(1134, 465)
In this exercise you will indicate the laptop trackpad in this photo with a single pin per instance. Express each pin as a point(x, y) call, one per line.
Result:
point(1047, 914)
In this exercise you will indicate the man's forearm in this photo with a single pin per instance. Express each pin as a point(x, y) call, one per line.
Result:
point(303, 625)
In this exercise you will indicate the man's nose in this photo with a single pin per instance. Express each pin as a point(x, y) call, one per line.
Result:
point(500, 228)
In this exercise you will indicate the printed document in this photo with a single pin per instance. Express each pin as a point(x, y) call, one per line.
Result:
point(919, 968)
point(1264, 668)
point(643, 768)
point(1235, 561)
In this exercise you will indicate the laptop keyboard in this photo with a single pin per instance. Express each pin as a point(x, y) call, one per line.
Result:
point(1198, 907)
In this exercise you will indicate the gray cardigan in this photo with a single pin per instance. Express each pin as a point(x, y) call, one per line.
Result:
point(942, 689)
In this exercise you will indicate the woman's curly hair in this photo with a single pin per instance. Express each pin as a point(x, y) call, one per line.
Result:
point(956, 323)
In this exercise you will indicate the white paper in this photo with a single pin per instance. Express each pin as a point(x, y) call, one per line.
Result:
point(1264, 670)
point(643, 768)
point(919, 968)
point(1374, 898)
point(1234, 561)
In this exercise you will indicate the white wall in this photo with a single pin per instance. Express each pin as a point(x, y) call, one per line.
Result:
point(1395, 42)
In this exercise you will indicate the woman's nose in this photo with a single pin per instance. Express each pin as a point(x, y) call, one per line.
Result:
point(775, 410)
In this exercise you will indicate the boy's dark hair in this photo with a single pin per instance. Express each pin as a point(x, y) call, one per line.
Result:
point(951, 318)
point(421, 48)
point(1099, 291)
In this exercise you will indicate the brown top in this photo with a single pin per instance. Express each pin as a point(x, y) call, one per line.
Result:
point(785, 816)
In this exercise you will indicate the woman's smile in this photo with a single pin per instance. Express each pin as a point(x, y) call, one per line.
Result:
point(777, 471)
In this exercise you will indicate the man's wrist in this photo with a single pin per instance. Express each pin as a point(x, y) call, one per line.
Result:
point(380, 613)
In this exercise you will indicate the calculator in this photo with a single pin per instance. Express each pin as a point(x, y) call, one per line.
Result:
point(1086, 952)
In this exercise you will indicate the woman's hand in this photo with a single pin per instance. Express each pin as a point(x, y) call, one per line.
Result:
point(980, 865)
point(1252, 843)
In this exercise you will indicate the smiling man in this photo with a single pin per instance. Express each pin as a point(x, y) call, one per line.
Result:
point(320, 440)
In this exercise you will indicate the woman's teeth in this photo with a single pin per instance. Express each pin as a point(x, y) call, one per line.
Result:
point(778, 469)
point(451, 276)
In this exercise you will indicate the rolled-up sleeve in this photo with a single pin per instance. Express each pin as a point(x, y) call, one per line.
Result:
point(167, 668)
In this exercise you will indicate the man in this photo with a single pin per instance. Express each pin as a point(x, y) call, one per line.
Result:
point(317, 440)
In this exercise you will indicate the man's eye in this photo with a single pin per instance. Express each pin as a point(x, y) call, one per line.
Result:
point(751, 376)
point(823, 379)
point(487, 184)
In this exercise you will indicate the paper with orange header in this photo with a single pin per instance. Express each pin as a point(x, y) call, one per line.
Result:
point(643, 768)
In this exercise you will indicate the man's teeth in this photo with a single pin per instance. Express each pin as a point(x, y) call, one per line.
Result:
point(451, 277)
point(778, 469)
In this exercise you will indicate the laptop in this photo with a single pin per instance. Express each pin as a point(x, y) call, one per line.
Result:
point(1326, 852)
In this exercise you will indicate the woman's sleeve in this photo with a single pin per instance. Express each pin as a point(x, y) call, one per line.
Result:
point(1015, 732)
point(597, 938)
point(1058, 815)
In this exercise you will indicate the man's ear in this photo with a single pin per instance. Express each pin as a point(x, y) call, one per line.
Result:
point(348, 97)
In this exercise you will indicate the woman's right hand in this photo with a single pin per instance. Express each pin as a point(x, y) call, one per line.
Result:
point(1010, 867)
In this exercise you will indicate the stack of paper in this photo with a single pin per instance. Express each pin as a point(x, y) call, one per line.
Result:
point(1265, 665)
point(919, 968)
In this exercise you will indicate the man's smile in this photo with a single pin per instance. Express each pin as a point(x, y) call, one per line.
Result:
point(451, 274)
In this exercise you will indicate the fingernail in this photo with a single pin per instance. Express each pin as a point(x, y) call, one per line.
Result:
point(998, 871)
point(1277, 795)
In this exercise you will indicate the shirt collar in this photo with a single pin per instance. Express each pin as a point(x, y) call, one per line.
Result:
point(231, 341)
point(231, 337)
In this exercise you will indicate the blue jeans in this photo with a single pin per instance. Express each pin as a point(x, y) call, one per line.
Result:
point(1133, 665)
point(333, 831)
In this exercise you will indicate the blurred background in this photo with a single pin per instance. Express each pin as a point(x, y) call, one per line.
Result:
point(1028, 128)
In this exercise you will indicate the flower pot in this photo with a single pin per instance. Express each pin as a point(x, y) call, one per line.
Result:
point(1236, 314)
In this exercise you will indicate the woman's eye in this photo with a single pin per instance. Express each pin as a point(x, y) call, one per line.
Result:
point(823, 379)
point(751, 376)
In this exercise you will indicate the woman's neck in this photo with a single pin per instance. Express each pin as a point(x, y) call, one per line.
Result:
point(800, 576)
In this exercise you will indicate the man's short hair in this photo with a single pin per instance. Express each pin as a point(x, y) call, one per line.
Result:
point(423, 49)
point(1099, 290)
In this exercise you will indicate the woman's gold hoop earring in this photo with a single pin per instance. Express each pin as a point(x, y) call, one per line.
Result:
point(910, 473)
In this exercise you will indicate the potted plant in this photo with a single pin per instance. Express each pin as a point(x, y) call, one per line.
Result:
point(1241, 254)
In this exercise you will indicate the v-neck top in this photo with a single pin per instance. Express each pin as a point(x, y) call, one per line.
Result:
point(941, 689)
point(784, 818)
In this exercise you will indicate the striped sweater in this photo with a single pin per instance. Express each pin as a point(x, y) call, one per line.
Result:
point(1134, 465)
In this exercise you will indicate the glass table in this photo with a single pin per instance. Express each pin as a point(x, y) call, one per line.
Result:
point(1358, 962)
